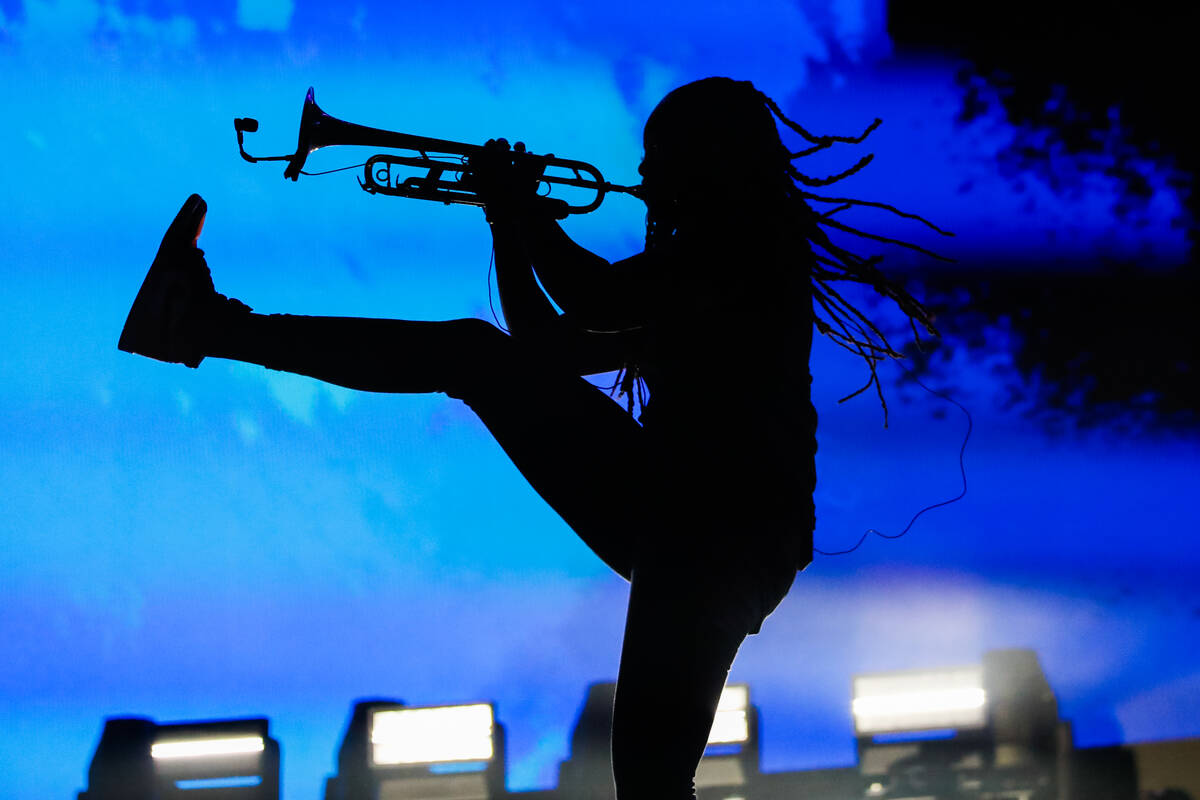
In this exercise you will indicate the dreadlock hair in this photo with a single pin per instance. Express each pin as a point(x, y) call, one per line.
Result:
point(739, 118)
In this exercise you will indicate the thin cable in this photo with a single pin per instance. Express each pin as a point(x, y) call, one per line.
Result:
point(492, 261)
point(961, 468)
point(339, 169)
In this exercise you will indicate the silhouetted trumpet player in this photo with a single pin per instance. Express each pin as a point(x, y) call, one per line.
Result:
point(706, 505)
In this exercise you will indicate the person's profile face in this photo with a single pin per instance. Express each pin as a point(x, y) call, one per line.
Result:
point(677, 167)
point(657, 185)
point(650, 169)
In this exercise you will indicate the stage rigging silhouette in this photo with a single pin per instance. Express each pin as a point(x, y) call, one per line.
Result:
point(704, 502)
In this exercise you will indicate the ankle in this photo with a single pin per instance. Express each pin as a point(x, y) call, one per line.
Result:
point(221, 325)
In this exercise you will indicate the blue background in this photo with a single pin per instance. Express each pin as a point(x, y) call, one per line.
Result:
point(231, 541)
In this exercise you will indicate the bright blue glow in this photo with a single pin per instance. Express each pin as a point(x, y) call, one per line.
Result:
point(236, 782)
point(231, 541)
point(722, 750)
point(914, 736)
point(457, 767)
point(264, 15)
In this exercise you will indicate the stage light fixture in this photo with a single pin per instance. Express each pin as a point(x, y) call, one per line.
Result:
point(138, 759)
point(732, 724)
point(230, 746)
point(420, 752)
point(587, 773)
point(909, 701)
point(726, 772)
point(731, 758)
point(989, 729)
point(433, 735)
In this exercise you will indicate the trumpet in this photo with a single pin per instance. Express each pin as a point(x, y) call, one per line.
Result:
point(446, 163)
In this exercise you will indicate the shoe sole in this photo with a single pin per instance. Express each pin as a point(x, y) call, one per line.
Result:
point(147, 330)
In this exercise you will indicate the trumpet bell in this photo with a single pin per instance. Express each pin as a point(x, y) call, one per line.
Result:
point(310, 117)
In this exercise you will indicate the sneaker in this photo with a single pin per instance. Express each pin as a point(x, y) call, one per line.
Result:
point(177, 299)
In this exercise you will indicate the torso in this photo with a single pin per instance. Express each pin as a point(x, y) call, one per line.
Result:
point(725, 350)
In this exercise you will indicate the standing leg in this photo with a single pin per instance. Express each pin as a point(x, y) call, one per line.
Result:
point(674, 663)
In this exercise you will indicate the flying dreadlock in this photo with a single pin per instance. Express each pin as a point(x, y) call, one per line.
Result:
point(854, 331)
point(842, 323)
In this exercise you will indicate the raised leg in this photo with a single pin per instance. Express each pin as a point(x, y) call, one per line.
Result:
point(577, 448)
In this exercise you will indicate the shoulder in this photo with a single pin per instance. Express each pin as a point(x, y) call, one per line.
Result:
point(636, 262)
point(641, 272)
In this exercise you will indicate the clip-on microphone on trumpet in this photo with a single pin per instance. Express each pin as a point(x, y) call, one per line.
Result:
point(242, 125)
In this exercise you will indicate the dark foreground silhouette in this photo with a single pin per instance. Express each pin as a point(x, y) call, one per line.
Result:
point(706, 505)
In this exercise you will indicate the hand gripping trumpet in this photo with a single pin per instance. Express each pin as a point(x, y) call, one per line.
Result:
point(445, 162)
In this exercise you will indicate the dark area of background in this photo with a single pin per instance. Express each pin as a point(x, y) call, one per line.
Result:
point(1101, 86)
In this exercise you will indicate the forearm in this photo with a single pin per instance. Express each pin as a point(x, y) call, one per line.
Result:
point(528, 238)
point(572, 275)
point(530, 314)
point(527, 311)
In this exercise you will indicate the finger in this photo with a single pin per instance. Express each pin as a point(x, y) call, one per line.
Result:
point(553, 207)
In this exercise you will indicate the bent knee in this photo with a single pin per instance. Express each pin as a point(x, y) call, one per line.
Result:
point(485, 356)
point(475, 333)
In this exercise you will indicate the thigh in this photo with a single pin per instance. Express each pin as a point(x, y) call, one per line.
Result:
point(580, 451)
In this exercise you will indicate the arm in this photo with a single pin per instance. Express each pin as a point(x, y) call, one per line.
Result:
point(526, 309)
point(530, 315)
point(597, 294)
point(527, 237)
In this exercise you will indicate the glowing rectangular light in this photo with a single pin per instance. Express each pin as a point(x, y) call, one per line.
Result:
point(910, 701)
point(431, 735)
point(206, 747)
point(731, 725)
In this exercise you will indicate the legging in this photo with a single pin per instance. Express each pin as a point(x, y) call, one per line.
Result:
point(691, 604)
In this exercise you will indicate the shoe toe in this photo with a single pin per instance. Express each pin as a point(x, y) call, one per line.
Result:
point(185, 228)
